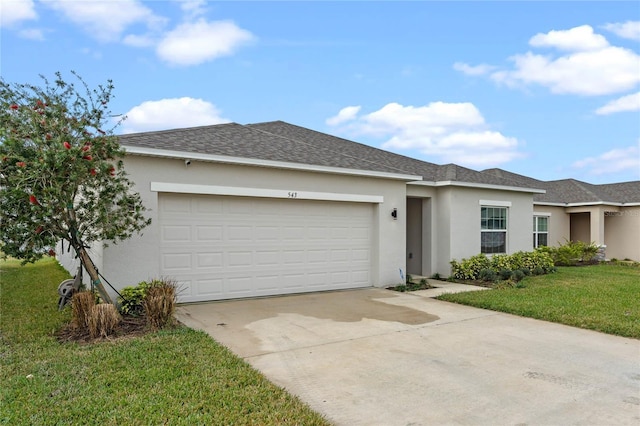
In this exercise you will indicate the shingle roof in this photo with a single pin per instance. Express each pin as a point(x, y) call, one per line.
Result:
point(575, 191)
point(236, 140)
point(280, 141)
point(361, 152)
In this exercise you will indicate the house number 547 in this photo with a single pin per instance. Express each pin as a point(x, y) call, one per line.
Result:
point(293, 194)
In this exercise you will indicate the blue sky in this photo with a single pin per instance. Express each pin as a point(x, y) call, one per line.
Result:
point(550, 90)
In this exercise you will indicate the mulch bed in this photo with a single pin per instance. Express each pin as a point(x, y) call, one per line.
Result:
point(411, 287)
point(130, 326)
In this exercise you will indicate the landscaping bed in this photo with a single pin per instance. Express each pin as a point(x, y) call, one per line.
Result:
point(173, 376)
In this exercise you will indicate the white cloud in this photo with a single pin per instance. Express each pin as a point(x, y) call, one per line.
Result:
point(15, 11)
point(585, 64)
point(597, 72)
point(451, 132)
point(346, 114)
point(623, 104)
point(106, 20)
point(170, 114)
point(576, 39)
point(32, 34)
point(192, 8)
point(136, 40)
point(629, 29)
point(201, 41)
point(473, 70)
point(614, 161)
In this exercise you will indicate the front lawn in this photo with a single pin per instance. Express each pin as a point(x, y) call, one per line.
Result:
point(599, 297)
point(177, 376)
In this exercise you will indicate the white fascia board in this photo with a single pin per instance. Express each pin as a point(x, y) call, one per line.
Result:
point(585, 204)
point(165, 153)
point(291, 194)
point(494, 203)
point(548, 203)
point(479, 185)
point(542, 213)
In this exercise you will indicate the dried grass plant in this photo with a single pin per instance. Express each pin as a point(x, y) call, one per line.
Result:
point(81, 303)
point(103, 320)
point(160, 304)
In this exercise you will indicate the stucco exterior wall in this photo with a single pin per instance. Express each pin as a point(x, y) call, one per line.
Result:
point(622, 233)
point(559, 224)
point(457, 214)
point(138, 258)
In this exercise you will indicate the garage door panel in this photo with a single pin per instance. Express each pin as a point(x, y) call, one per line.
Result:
point(225, 247)
point(209, 233)
point(240, 258)
point(176, 233)
point(176, 261)
point(208, 205)
point(210, 287)
point(209, 260)
point(266, 233)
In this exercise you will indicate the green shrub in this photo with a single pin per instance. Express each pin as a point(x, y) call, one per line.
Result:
point(518, 275)
point(469, 269)
point(131, 298)
point(505, 274)
point(501, 261)
point(535, 262)
point(488, 275)
point(572, 253)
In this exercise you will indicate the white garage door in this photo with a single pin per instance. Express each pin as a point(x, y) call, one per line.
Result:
point(222, 247)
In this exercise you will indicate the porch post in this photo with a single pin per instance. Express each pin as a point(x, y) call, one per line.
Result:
point(597, 225)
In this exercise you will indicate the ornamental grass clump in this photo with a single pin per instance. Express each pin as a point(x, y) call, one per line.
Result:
point(81, 305)
point(160, 303)
point(104, 320)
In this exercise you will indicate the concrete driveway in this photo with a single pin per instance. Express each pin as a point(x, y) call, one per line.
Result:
point(376, 357)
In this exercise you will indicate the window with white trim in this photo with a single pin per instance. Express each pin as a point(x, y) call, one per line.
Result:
point(540, 231)
point(493, 230)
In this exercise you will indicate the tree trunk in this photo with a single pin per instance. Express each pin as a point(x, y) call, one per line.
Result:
point(93, 273)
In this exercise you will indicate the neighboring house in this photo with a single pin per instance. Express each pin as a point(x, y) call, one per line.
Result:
point(570, 210)
point(273, 208)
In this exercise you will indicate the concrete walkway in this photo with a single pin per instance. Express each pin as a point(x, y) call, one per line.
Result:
point(443, 287)
point(376, 357)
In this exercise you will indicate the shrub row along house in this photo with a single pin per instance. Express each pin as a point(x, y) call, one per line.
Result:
point(273, 208)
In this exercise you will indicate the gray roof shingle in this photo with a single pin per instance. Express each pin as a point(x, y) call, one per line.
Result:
point(280, 141)
point(361, 152)
point(575, 191)
point(236, 140)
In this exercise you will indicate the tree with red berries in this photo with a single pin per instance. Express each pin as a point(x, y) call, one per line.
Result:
point(61, 172)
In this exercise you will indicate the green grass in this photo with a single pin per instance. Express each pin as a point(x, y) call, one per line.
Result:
point(178, 376)
point(602, 297)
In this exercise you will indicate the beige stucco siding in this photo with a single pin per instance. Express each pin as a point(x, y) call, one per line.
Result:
point(622, 233)
point(138, 258)
point(559, 227)
point(458, 218)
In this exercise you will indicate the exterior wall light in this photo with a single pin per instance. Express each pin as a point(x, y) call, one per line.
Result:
point(394, 214)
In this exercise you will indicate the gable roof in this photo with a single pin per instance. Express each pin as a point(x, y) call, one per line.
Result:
point(361, 152)
point(572, 191)
point(237, 141)
point(278, 141)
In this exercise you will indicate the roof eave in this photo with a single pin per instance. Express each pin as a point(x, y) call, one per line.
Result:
point(479, 186)
point(588, 203)
point(165, 153)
